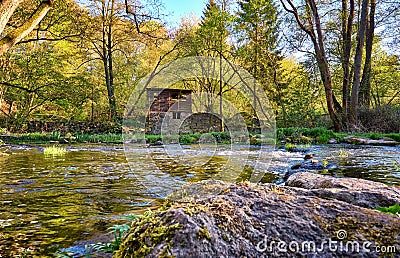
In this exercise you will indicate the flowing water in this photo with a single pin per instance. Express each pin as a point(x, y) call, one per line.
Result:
point(52, 203)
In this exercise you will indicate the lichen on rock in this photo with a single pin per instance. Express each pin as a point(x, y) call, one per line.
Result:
point(216, 219)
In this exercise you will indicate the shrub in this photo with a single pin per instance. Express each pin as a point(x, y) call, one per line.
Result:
point(383, 119)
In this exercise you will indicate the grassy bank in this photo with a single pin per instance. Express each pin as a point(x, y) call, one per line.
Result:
point(44, 138)
point(321, 135)
point(291, 135)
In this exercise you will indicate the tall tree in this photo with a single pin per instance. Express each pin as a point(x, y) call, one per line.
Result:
point(113, 32)
point(257, 27)
point(358, 63)
point(364, 97)
point(311, 25)
point(347, 15)
point(209, 38)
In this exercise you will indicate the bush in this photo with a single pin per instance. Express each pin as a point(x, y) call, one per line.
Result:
point(383, 119)
point(305, 135)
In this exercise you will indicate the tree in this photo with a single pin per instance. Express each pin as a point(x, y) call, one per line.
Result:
point(257, 26)
point(7, 8)
point(347, 17)
point(334, 42)
point(208, 38)
point(112, 33)
point(358, 63)
point(364, 98)
point(311, 25)
point(40, 83)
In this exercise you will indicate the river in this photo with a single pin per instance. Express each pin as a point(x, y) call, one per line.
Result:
point(52, 203)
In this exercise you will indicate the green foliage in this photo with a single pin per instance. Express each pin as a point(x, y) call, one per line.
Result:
point(220, 137)
point(394, 209)
point(343, 153)
point(96, 138)
point(32, 138)
point(325, 163)
point(153, 138)
point(188, 139)
point(41, 84)
point(305, 135)
point(290, 146)
point(397, 165)
point(118, 231)
point(56, 136)
point(54, 151)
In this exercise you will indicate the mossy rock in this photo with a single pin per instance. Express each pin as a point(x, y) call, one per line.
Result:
point(231, 220)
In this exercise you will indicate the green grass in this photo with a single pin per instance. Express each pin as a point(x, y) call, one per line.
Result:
point(98, 138)
point(118, 231)
point(54, 151)
point(293, 135)
point(220, 137)
point(305, 135)
point(290, 146)
point(45, 138)
point(394, 209)
point(321, 135)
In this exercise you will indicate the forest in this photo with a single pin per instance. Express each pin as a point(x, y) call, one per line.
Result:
point(321, 63)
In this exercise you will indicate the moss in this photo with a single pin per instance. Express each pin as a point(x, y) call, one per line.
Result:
point(145, 234)
point(203, 232)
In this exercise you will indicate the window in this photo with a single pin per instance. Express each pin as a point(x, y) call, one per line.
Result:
point(176, 115)
point(175, 96)
point(183, 97)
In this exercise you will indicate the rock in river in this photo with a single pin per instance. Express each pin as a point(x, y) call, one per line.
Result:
point(383, 141)
point(216, 219)
point(313, 164)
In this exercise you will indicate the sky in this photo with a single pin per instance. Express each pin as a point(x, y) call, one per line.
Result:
point(176, 9)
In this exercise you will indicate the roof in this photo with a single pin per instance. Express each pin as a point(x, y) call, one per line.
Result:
point(167, 89)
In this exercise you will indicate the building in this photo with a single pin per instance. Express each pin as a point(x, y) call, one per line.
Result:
point(167, 108)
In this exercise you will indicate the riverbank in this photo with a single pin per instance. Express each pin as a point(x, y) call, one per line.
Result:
point(283, 135)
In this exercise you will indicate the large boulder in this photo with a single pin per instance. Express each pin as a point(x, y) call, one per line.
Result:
point(360, 192)
point(215, 219)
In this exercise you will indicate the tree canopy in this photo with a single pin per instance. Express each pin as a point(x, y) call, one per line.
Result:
point(77, 61)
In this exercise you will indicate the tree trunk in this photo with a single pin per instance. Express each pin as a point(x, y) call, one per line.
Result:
point(106, 54)
point(7, 7)
point(111, 95)
point(364, 98)
point(324, 67)
point(347, 30)
point(319, 49)
point(357, 64)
